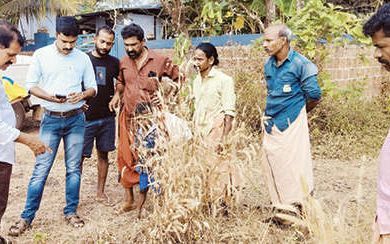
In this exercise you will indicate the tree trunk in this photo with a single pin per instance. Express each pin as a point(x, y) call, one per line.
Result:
point(270, 16)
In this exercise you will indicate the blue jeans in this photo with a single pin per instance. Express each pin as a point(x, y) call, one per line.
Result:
point(52, 130)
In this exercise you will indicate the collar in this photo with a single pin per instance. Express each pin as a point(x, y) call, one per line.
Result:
point(290, 57)
point(151, 55)
point(213, 72)
point(58, 52)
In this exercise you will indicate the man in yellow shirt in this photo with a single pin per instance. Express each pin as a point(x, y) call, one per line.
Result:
point(215, 110)
point(214, 96)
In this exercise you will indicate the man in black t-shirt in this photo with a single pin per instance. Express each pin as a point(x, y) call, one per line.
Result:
point(100, 124)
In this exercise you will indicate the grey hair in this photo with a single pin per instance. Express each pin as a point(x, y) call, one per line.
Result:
point(286, 32)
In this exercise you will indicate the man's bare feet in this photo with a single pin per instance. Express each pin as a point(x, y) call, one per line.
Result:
point(128, 206)
point(104, 199)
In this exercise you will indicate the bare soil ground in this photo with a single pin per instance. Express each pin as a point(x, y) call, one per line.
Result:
point(345, 189)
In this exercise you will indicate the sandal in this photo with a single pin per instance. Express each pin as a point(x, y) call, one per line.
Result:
point(19, 228)
point(74, 220)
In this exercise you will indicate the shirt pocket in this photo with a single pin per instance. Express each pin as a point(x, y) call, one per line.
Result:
point(147, 84)
point(286, 85)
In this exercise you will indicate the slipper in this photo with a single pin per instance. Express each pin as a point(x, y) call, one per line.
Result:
point(74, 220)
point(19, 228)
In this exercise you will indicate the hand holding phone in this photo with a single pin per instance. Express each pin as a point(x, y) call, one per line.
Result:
point(58, 98)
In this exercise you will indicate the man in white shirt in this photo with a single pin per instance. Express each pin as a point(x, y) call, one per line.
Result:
point(11, 43)
point(57, 75)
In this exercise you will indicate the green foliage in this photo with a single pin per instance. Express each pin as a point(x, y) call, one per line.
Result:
point(211, 17)
point(346, 125)
point(319, 21)
point(287, 8)
point(87, 6)
point(182, 47)
point(39, 238)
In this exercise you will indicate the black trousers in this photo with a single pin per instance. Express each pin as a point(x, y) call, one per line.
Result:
point(5, 177)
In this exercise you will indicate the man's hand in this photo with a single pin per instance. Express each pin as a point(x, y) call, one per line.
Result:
point(75, 97)
point(54, 99)
point(114, 103)
point(34, 143)
point(310, 104)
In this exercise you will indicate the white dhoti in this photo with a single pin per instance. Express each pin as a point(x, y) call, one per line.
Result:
point(287, 162)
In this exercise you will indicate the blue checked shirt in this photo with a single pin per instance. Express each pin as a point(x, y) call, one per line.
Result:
point(289, 86)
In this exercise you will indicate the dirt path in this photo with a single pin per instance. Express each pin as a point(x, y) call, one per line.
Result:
point(346, 190)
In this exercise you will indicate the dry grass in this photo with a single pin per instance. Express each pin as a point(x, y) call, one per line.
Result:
point(189, 210)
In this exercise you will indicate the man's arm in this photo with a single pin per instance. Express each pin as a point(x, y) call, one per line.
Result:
point(40, 93)
point(312, 92)
point(310, 104)
point(227, 126)
point(310, 85)
point(228, 105)
point(76, 97)
point(119, 89)
point(36, 145)
point(9, 134)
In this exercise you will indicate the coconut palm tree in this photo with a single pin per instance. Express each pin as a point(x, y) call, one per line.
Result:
point(13, 9)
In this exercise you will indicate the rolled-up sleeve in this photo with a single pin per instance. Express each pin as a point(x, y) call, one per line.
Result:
point(309, 82)
point(89, 76)
point(8, 133)
point(229, 97)
point(34, 73)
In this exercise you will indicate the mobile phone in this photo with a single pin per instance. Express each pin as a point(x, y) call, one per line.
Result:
point(60, 96)
point(152, 74)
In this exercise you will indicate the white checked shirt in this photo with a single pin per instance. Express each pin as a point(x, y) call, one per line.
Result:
point(8, 133)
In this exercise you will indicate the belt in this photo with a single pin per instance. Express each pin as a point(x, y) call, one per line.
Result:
point(66, 114)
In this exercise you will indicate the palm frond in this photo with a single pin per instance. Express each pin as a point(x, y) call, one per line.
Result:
point(14, 9)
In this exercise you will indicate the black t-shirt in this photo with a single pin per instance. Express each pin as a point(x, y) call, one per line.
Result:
point(106, 69)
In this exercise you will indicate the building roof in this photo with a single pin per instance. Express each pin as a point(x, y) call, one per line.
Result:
point(105, 5)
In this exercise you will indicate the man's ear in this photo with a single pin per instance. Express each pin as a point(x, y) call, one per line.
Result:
point(211, 60)
point(285, 39)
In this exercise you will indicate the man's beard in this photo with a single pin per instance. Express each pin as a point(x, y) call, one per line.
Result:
point(102, 52)
point(133, 54)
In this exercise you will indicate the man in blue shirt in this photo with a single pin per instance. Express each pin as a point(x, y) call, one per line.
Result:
point(56, 76)
point(292, 91)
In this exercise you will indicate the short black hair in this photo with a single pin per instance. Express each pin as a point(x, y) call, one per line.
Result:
point(105, 28)
point(133, 30)
point(8, 33)
point(209, 50)
point(67, 25)
point(379, 21)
